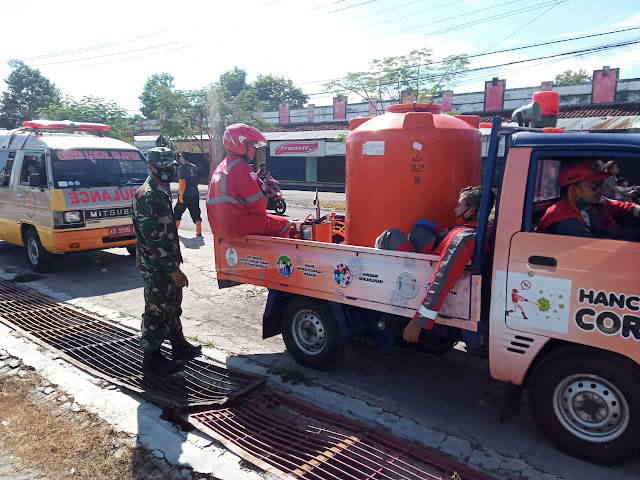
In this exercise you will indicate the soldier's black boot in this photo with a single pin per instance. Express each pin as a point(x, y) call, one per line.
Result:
point(157, 363)
point(183, 350)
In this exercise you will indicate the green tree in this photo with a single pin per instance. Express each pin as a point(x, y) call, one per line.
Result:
point(389, 77)
point(202, 115)
point(273, 91)
point(235, 81)
point(570, 76)
point(149, 96)
point(88, 109)
point(27, 91)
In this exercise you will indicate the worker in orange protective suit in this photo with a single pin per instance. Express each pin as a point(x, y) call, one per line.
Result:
point(235, 204)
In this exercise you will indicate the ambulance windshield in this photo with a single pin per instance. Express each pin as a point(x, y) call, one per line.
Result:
point(97, 168)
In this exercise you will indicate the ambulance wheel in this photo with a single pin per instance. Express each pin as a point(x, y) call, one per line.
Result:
point(587, 402)
point(39, 259)
point(311, 333)
point(131, 249)
point(280, 206)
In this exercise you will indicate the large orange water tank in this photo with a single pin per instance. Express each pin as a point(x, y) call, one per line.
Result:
point(407, 164)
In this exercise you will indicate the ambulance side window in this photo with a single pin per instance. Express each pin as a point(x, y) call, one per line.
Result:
point(33, 163)
point(6, 165)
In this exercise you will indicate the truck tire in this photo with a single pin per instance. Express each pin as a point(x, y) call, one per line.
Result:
point(587, 402)
point(311, 333)
point(39, 259)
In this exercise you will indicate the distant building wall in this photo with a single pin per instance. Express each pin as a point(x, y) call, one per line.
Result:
point(607, 85)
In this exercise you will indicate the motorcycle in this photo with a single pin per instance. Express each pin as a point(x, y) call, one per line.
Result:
point(272, 192)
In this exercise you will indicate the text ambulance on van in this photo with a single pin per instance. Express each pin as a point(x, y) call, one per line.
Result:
point(66, 188)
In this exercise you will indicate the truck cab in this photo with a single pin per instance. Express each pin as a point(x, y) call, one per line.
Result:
point(65, 189)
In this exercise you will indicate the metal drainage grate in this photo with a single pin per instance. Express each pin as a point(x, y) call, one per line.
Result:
point(294, 439)
point(111, 352)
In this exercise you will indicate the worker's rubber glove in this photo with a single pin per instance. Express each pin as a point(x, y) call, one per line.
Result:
point(425, 222)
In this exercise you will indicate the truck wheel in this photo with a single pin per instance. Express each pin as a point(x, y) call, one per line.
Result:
point(39, 259)
point(587, 402)
point(131, 249)
point(311, 333)
point(280, 206)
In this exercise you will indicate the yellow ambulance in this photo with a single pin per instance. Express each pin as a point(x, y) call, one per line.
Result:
point(65, 187)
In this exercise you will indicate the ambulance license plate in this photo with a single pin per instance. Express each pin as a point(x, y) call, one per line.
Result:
point(121, 231)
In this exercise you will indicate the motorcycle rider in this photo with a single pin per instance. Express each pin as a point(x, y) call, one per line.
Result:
point(235, 203)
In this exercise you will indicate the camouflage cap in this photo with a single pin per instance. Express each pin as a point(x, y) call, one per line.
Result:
point(161, 157)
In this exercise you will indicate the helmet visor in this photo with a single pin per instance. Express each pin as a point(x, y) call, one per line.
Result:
point(259, 144)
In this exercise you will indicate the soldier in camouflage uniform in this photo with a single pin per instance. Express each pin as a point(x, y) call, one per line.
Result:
point(158, 258)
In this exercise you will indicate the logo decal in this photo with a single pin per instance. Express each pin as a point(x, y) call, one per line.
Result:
point(232, 257)
point(299, 148)
point(342, 275)
point(285, 268)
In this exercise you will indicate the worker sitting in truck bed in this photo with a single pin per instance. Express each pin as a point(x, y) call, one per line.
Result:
point(580, 191)
point(455, 247)
point(235, 204)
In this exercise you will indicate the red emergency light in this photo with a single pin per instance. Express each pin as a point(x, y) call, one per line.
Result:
point(65, 125)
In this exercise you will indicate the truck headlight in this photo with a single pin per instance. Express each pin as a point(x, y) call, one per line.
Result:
point(72, 217)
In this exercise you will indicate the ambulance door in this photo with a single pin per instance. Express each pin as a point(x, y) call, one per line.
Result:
point(9, 228)
point(557, 285)
point(33, 202)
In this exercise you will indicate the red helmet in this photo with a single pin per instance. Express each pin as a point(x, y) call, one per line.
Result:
point(238, 136)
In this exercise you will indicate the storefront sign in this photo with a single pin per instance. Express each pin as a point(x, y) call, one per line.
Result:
point(308, 148)
point(335, 148)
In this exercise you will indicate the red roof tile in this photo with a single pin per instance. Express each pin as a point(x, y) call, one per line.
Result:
point(310, 127)
point(578, 111)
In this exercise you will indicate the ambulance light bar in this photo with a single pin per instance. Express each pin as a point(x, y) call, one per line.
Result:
point(65, 125)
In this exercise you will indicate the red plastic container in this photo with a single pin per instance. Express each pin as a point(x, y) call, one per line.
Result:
point(408, 164)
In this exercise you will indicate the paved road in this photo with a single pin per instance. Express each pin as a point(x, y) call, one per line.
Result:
point(450, 403)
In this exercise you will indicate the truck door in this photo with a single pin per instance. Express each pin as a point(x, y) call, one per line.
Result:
point(32, 202)
point(573, 288)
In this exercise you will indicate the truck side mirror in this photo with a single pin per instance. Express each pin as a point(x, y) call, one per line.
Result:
point(34, 179)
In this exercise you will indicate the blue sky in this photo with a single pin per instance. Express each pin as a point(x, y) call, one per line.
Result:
point(110, 52)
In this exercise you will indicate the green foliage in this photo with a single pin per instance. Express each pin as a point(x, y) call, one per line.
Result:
point(149, 96)
point(88, 109)
point(27, 91)
point(202, 115)
point(389, 77)
point(570, 76)
point(235, 81)
point(276, 90)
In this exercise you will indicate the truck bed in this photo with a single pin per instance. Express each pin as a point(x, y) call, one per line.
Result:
point(382, 280)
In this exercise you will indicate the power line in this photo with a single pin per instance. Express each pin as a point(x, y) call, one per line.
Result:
point(484, 20)
point(124, 59)
point(525, 25)
point(105, 55)
point(441, 20)
point(395, 8)
point(589, 50)
point(352, 6)
point(512, 49)
point(86, 49)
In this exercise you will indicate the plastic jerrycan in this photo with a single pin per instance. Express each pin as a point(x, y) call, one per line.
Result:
point(407, 164)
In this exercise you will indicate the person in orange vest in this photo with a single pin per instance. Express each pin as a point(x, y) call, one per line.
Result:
point(235, 204)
